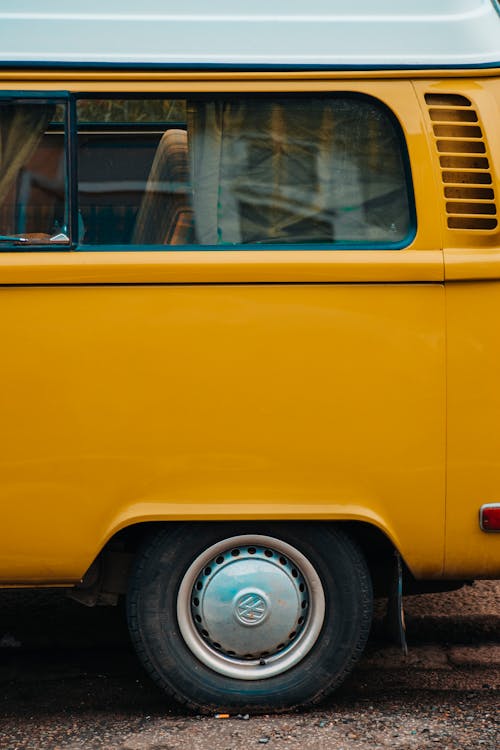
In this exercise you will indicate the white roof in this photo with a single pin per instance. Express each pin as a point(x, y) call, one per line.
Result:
point(349, 33)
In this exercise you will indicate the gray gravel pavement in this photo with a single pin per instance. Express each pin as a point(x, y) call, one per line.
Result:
point(69, 679)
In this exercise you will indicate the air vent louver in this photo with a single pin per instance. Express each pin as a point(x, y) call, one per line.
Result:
point(465, 166)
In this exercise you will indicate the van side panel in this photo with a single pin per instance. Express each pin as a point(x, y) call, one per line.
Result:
point(130, 403)
point(474, 426)
point(472, 273)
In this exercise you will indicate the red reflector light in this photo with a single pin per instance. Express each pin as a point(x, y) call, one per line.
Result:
point(489, 517)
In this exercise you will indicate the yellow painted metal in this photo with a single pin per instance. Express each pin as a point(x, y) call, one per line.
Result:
point(276, 385)
point(221, 266)
point(472, 273)
point(473, 477)
point(125, 404)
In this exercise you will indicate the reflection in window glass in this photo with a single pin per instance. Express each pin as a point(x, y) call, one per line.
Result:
point(33, 189)
point(242, 171)
point(117, 111)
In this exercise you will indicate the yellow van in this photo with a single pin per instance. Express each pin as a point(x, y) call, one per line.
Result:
point(249, 305)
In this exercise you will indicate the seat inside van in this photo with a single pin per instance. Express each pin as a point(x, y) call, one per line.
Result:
point(165, 216)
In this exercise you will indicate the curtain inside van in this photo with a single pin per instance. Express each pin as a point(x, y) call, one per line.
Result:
point(295, 170)
point(21, 127)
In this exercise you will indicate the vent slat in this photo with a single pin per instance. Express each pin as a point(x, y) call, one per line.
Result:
point(442, 115)
point(467, 178)
point(468, 192)
point(469, 209)
point(471, 222)
point(468, 202)
point(460, 145)
point(459, 161)
point(458, 131)
point(448, 100)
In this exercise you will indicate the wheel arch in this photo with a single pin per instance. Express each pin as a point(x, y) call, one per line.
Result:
point(107, 575)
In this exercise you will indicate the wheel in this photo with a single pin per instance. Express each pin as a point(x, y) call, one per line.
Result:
point(253, 616)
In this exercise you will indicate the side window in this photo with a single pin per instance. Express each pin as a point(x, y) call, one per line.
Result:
point(227, 171)
point(234, 171)
point(33, 173)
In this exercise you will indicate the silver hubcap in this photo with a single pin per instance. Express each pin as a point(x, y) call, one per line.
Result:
point(250, 607)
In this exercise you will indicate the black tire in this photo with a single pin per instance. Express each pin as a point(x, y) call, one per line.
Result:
point(311, 665)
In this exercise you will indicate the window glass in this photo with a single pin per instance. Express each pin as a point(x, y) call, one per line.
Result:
point(128, 111)
point(242, 171)
point(33, 173)
point(117, 143)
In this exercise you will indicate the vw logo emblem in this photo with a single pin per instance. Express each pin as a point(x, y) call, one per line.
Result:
point(251, 609)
